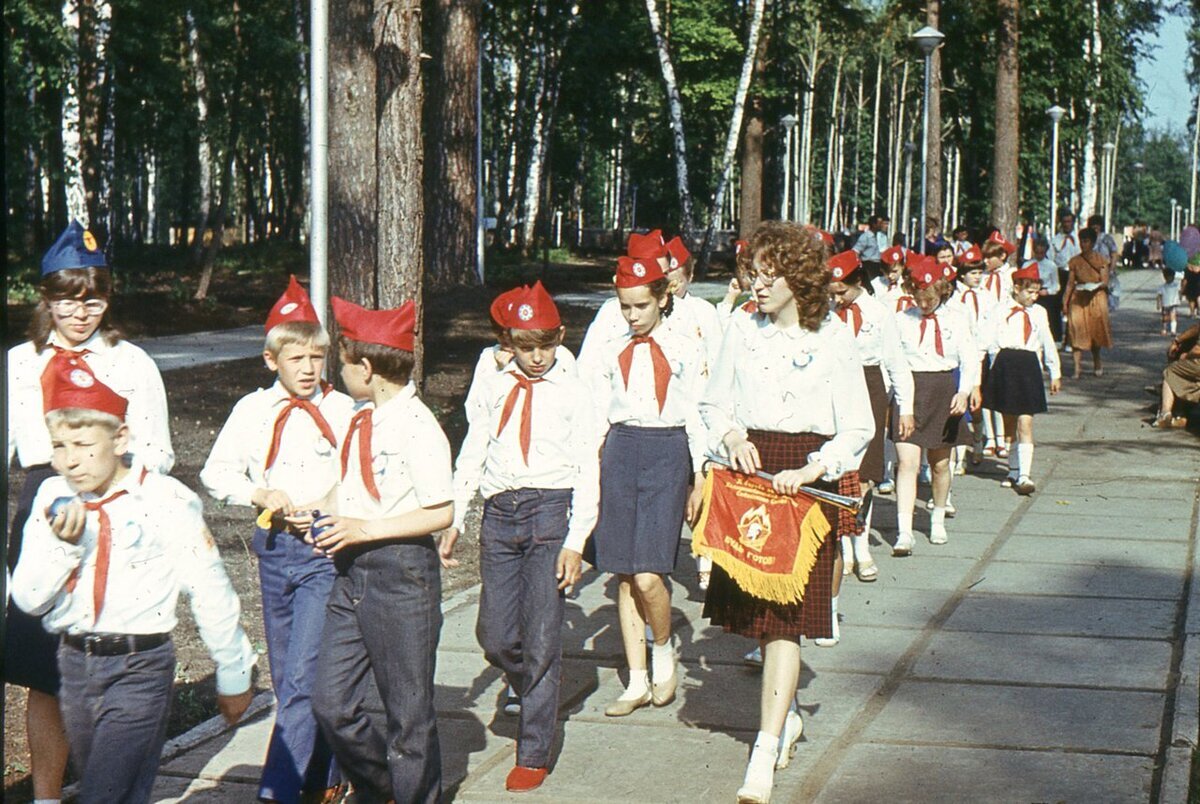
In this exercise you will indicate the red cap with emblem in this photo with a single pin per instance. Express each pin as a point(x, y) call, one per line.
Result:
point(914, 258)
point(844, 265)
point(649, 246)
point(892, 256)
point(971, 255)
point(925, 271)
point(65, 384)
point(293, 305)
point(677, 252)
point(1028, 271)
point(948, 272)
point(533, 308)
point(392, 328)
point(1002, 241)
point(824, 236)
point(633, 272)
point(502, 308)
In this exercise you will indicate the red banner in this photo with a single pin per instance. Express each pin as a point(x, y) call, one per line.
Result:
point(765, 541)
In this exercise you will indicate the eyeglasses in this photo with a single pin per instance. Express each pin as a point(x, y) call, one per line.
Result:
point(69, 307)
point(762, 277)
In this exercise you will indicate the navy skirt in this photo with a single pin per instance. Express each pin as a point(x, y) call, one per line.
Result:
point(1014, 384)
point(644, 476)
point(30, 654)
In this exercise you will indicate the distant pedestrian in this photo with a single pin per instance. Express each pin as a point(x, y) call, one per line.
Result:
point(1167, 300)
point(1086, 300)
point(870, 245)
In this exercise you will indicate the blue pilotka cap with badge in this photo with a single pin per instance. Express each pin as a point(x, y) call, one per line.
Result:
point(76, 247)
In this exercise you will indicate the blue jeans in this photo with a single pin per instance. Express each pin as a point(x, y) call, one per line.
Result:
point(381, 634)
point(521, 607)
point(295, 591)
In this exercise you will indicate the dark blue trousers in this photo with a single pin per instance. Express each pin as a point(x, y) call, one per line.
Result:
point(295, 591)
point(115, 710)
point(381, 635)
point(521, 607)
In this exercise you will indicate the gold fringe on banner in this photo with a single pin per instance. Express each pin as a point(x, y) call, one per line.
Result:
point(777, 587)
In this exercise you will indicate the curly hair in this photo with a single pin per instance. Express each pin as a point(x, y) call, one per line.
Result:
point(797, 254)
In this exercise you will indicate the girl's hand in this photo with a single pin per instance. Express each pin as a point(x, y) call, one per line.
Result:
point(976, 399)
point(446, 544)
point(340, 532)
point(695, 500)
point(68, 525)
point(790, 481)
point(733, 291)
point(958, 405)
point(742, 454)
point(906, 426)
point(1055, 386)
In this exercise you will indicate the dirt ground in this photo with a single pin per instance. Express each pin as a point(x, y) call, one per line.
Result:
point(457, 328)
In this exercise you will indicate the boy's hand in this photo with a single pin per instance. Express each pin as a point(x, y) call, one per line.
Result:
point(340, 532)
point(232, 707)
point(695, 500)
point(502, 357)
point(272, 499)
point(301, 520)
point(446, 544)
point(569, 568)
point(68, 525)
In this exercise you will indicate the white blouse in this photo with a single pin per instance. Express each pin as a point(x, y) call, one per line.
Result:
point(878, 343)
point(1004, 328)
point(959, 350)
point(792, 380)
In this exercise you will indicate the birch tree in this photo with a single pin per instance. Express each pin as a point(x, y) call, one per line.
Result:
point(675, 107)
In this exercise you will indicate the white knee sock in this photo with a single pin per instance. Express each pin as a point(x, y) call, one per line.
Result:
point(1024, 459)
point(662, 661)
point(639, 684)
point(937, 519)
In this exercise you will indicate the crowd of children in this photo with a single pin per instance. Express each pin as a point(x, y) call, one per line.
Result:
point(825, 378)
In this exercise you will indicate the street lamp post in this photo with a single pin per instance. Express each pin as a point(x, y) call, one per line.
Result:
point(1056, 113)
point(928, 39)
point(1106, 183)
point(1174, 206)
point(1138, 168)
point(788, 121)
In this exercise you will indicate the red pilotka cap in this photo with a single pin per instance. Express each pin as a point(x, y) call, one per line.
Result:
point(66, 384)
point(892, 256)
point(1000, 239)
point(392, 328)
point(949, 273)
point(502, 308)
point(532, 308)
point(925, 271)
point(633, 272)
point(844, 265)
point(1028, 271)
point(677, 252)
point(293, 305)
point(971, 255)
point(649, 246)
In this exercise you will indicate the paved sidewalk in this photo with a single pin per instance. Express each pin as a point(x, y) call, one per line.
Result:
point(1049, 652)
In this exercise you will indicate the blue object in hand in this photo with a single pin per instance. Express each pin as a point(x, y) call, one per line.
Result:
point(58, 506)
point(316, 530)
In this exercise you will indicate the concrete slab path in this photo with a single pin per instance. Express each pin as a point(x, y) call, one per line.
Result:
point(1049, 652)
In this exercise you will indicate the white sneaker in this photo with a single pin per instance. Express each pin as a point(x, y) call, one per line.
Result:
point(904, 545)
point(793, 727)
point(888, 486)
point(754, 658)
point(1024, 486)
point(937, 534)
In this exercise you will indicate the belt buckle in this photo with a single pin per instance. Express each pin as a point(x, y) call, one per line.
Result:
point(90, 642)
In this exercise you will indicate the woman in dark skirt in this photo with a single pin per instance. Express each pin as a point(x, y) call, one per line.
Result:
point(647, 385)
point(72, 322)
point(1018, 338)
point(886, 373)
point(941, 352)
point(787, 396)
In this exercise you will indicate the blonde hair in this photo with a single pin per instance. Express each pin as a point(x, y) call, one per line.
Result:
point(295, 332)
point(75, 418)
point(532, 338)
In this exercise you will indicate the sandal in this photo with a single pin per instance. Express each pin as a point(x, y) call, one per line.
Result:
point(1178, 421)
point(1001, 452)
point(867, 571)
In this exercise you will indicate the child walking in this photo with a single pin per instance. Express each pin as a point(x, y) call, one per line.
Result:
point(1018, 341)
point(384, 615)
point(1167, 300)
point(530, 451)
point(646, 386)
point(106, 572)
point(278, 452)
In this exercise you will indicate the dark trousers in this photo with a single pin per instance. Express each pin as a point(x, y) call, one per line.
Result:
point(521, 606)
point(115, 710)
point(295, 591)
point(381, 633)
point(1053, 304)
point(29, 652)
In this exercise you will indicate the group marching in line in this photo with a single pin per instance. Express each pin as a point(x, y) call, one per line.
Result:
point(826, 378)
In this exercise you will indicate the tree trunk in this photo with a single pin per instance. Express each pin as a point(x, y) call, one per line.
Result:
point(531, 195)
point(751, 203)
point(299, 201)
point(735, 129)
point(95, 136)
point(933, 167)
point(1005, 161)
point(675, 107)
point(204, 148)
point(76, 197)
point(830, 142)
point(1092, 53)
point(451, 93)
point(873, 198)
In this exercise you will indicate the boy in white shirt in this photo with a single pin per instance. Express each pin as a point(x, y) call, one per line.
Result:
point(107, 550)
point(530, 450)
point(278, 451)
point(1166, 300)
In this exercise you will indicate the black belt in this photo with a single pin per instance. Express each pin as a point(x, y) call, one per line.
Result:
point(114, 644)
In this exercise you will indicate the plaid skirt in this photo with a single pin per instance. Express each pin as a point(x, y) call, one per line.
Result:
point(736, 610)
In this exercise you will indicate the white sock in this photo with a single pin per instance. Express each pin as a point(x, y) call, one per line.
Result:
point(847, 551)
point(639, 684)
point(1024, 459)
point(904, 521)
point(766, 741)
point(1173, 330)
point(47, 801)
point(662, 661)
point(937, 519)
point(861, 546)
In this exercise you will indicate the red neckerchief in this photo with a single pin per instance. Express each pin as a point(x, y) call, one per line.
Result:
point(974, 300)
point(103, 550)
point(1028, 323)
point(937, 332)
point(362, 424)
point(988, 282)
point(281, 421)
point(662, 368)
point(526, 411)
point(845, 312)
point(905, 302)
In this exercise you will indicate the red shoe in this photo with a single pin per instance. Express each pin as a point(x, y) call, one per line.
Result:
point(522, 779)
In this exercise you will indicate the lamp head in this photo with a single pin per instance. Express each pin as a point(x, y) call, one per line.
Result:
point(928, 39)
point(1056, 112)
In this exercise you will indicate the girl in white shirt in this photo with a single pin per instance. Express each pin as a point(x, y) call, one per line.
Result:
point(996, 288)
point(938, 346)
point(1018, 340)
point(787, 396)
point(646, 384)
